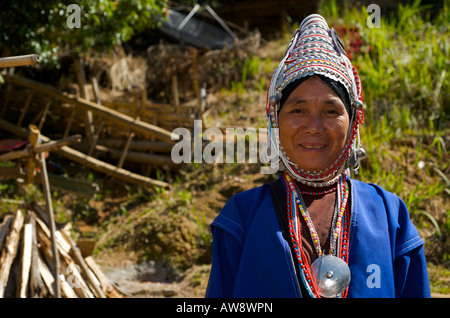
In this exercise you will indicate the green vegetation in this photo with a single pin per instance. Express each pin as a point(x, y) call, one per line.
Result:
point(404, 70)
point(403, 66)
point(41, 26)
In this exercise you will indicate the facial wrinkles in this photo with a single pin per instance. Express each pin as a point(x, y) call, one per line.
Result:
point(313, 117)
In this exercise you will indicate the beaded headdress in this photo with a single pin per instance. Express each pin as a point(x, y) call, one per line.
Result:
point(316, 49)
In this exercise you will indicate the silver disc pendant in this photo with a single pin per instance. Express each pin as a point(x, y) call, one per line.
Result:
point(331, 275)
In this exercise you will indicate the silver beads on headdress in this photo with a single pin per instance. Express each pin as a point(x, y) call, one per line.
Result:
point(316, 49)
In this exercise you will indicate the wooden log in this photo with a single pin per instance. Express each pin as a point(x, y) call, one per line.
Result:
point(95, 139)
point(175, 93)
point(25, 108)
point(139, 105)
point(41, 148)
point(20, 60)
point(149, 107)
point(181, 120)
point(136, 125)
point(4, 229)
point(85, 271)
point(15, 155)
point(51, 145)
point(139, 145)
point(76, 281)
point(43, 216)
point(108, 288)
point(69, 124)
point(133, 156)
point(67, 290)
point(33, 137)
point(147, 166)
point(10, 251)
point(90, 162)
point(47, 276)
point(81, 79)
point(195, 84)
point(44, 114)
point(72, 250)
point(109, 169)
point(71, 271)
point(27, 242)
point(125, 150)
point(102, 122)
point(43, 237)
point(37, 289)
point(8, 254)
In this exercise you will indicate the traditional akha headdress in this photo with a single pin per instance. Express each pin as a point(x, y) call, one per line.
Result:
point(317, 50)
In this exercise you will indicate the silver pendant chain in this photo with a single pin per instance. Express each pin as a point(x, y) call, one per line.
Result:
point(312, 230)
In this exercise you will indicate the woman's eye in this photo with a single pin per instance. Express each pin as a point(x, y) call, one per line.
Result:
point(332, 112)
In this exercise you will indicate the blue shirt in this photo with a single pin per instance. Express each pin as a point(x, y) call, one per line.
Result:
point(252, 259)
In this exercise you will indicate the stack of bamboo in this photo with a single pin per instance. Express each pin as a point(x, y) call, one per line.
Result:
point(27, 262)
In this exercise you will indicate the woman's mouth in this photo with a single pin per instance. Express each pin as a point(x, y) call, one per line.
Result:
point(313, 146)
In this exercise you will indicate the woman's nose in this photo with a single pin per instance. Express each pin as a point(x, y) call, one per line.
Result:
point(313, 125)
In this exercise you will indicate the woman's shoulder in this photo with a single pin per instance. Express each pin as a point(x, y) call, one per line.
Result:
point(247, 200)
point(373, 201)
point(367, 190)
point(250, 194)
point(241, 208)
point(376, 206)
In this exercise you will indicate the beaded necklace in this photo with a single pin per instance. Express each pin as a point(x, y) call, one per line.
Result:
point(316, 49)
point(319, 192)
point(339, 232)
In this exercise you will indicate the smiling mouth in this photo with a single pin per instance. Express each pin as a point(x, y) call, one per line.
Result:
point(313, 147)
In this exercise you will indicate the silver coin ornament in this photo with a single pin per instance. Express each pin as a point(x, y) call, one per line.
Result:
point(331, 275)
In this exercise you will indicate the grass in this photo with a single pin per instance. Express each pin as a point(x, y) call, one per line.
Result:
point(403, 67)
point(402, 63)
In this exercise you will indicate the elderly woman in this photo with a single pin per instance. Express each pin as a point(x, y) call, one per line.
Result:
point(315, 232)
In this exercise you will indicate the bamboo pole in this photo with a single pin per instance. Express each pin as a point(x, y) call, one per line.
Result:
point(175, 93)
point(48, 199)
point(25, 108)
point(100, 126)
point(132, 156)
point(40, 148)
point(69, 124)
point(33, 138)
point(95, 139)
point(81, 79)
point(44, 115)
point(20, 60)
point(139, 145)
point(89, 161)
point(103, 111)
point(139, 105)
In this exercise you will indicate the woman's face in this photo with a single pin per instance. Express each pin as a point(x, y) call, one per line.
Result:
point(313, 125)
